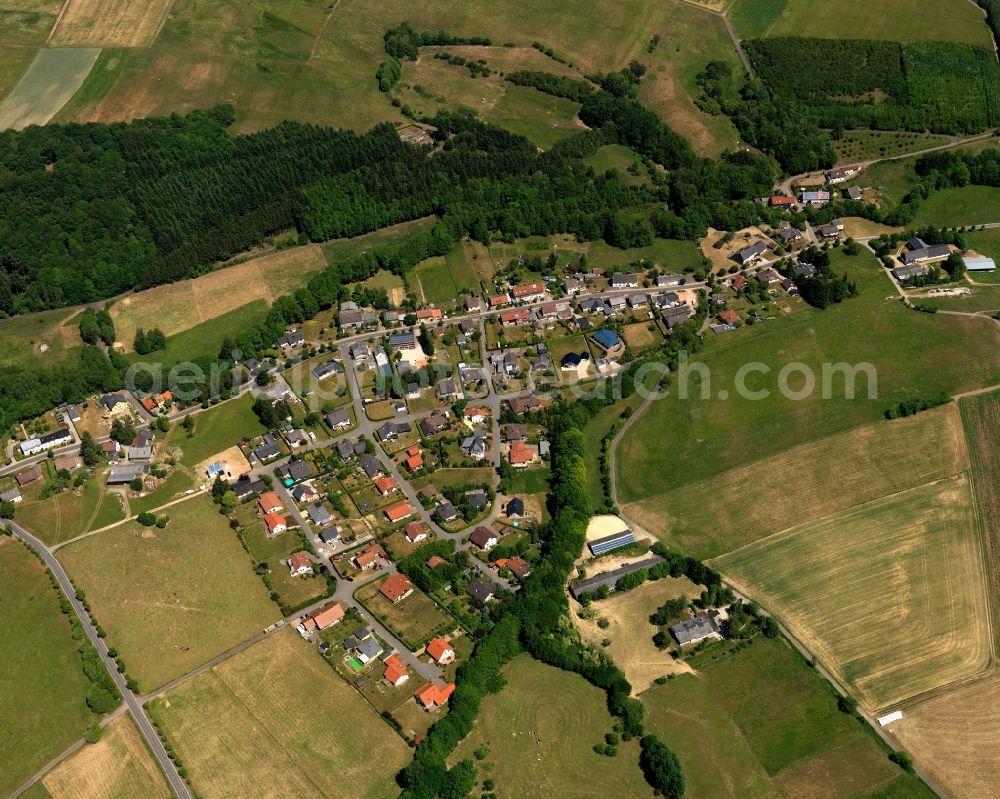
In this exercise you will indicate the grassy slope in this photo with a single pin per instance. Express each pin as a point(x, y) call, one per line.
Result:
point(67, 514)
point(539, 732)
point(216, 430)
point(913, 354)
point(174, 599)
point(759, 723)
point(42, 704)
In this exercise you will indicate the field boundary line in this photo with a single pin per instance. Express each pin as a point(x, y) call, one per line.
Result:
point(163, 21)
point(322, 30)
point(59, 16)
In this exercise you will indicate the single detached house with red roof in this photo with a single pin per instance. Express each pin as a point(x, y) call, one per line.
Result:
point(395, 671)
point(432, 696)
point(396, 588)
point(300, 563)
point(440, 651)
point(276, 523)
point(398, 512)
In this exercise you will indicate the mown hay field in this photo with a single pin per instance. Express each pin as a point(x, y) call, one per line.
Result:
point(53, 77)
point(539, 732)
point(807, 482)
point(953, 735)
point(176, 307)
point(888, 595)
point(760, 723)
point(42, 703)
point(981, 415)
point(119, 766)
point(109, 23)
point(171, 599)
point(276, 720)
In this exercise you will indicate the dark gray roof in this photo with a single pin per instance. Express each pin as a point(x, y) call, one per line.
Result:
point(609, 579)
point(370, 465)
point(692, 630)
point(267, 451)
point(481, 590)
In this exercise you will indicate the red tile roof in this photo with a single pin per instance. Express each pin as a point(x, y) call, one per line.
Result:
point(396, 587)
point(274, 521)
point(385, 485)
point(414, 530)
point(269, 501)
point(440, 650)
point(398, 511)
point(415, 462)
point(521, 453)
point(431, 695)
point(395, 671)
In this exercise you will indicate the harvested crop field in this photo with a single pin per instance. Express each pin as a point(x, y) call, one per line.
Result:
point(176, 307)
point(631, 633)
point(118, 766)
point(807, 482)
point(53, 77)
point(953, 736)
point(276, 720)
point(109, 23)
point(888, 595)
point(174, 598)
point(981, 415)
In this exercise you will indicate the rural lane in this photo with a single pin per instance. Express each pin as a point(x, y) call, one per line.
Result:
point(152, 739)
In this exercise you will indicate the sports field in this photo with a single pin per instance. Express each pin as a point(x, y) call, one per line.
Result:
point(539, 732)
point(953, 736)
point(276, 720)
point(760, 723)
point(981, 415)
point(807, 482)
point(630, 632)
point(118, 766)
point(171, 599)
point(109, 23)
point(42, 704)
point(889, 595)
point(53, 77)
point(895, 20)
point(179, 306)
point(912, 353)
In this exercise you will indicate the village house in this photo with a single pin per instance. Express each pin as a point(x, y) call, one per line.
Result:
point(339, 419)
point(398, 512)
point(483, 591)
point(29, 475)
point(432, 696)
point(474, 303)
point(729, 317)
point(484, 538)
point(517, 316)
point(515, 508)
point(291, 339)
point(820, 197)
point(572, 286)
point(414, 462)
point(385, 486)
point(476, 415)
point(515, 432)
point(369, 556)
point(624, 280)
point(446, 512)
point(528, 292)
point(749, 255)
point(56, 438)
point(157, 402)
point(854, 193)
point(440, 651)
point(11, 495)
point(676, 316)
point(667, 281)
point(499, 300)
point(841, 173)
point(370, 466)
point(122, 475)
point(781, 201)
point(416, 532)
point(269, 502)
point(521, 405)
point(300, 563)
point(609, 341)
point(474, 446)
point(115, 405)
point(395, 672)
point(447, 389)
point(275, 524)
point(433, 424)
point(319, 515)
point(327, 616)
point(517, 565)
point(428, 313)
point(396, 588)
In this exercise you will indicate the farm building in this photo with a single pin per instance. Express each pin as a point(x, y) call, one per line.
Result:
point(980, 264)
point(609, 542)
point(120, 475)
point(609, 579)
point(699, 628)
point(907, 272)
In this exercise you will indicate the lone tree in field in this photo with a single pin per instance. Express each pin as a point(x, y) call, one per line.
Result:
point(661, 767)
